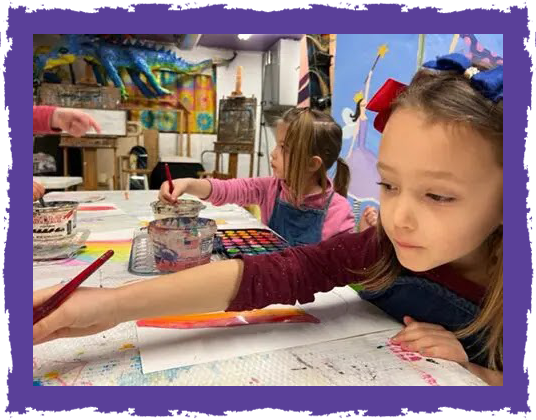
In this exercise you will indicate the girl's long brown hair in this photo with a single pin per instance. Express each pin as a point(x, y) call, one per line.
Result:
point(313, 133)
point(448, 98)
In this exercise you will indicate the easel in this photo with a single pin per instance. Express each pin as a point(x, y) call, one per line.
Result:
point(236, 132)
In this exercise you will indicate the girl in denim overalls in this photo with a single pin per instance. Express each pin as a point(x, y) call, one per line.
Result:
point(299, 202)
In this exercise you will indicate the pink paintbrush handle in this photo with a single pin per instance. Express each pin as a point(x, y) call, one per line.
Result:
point(61, 295)
point(169, 180)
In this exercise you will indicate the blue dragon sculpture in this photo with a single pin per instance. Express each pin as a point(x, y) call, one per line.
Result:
point(109, 60)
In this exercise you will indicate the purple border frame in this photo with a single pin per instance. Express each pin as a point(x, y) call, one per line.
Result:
point(319, 400)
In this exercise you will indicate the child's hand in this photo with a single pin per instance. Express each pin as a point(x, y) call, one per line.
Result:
point(75, 122)
point(179, 188)
point(38, 191)
point(87, 311)
point(430, 340)
point(368, 219)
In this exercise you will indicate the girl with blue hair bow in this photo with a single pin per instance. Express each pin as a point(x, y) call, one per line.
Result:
point(433, 262)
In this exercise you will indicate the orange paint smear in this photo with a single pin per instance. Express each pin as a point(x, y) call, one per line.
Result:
point(229, 319)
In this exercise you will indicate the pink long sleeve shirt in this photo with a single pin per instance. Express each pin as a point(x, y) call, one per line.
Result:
point(263, 191)
point(42, 116)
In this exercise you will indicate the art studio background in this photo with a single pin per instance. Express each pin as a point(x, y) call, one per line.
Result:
point(226, 92)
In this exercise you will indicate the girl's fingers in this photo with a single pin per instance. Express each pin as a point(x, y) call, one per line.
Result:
point(410, 336)
point(452, 353)
point(94, 124)
point(46, 329)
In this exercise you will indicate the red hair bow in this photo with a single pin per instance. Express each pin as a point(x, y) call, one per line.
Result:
point(382, 100)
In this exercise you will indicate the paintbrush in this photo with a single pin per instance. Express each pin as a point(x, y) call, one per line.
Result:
point(169, 180)
point(52, 303)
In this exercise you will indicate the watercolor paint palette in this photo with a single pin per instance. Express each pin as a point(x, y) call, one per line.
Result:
point(248, 242)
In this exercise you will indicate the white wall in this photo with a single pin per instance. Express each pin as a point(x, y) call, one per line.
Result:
point(289, 58)
point(251, 63)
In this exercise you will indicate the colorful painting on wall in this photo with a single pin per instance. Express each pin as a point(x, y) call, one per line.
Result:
point(197, 94)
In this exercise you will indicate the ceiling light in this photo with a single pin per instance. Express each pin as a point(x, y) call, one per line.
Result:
point(244, 37)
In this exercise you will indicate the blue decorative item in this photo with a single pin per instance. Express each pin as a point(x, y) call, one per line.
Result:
point(167, 120)
point(488, 82)
point(147, 119)
point(109, 59)
point(204, 121)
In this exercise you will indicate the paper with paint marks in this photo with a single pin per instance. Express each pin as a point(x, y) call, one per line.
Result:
point(100, 223)
point(94, 246)
point(341, 312)
point(94, 249)
point(366, 360)
point(100, 209)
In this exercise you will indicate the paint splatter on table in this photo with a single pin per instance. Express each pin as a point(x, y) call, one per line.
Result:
point(366, 360)
point(112, 357)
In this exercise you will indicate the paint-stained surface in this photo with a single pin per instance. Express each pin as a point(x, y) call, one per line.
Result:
point(112, 357)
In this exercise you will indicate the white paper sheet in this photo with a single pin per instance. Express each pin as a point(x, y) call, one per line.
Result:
point(99, 209)
point(47, 282)
point(341, 312)
point(115, 235)
point(112, 122)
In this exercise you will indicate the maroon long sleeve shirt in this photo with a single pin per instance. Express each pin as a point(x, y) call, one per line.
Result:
point(296, 274)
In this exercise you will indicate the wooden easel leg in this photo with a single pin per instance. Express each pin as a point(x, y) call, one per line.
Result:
point(90, 169)
point(65, 162)
point(116, 171)
point(217, 164)
point(233, 164)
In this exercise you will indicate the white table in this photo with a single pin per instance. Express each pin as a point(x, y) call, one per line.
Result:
point(58, 182)
point(112, 357)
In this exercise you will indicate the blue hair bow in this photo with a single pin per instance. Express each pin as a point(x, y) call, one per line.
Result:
point(487, 82)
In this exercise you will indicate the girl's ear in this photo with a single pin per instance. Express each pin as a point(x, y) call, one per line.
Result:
point(315, 163)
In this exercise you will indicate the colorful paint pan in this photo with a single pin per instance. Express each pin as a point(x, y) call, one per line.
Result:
point(248, 242)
